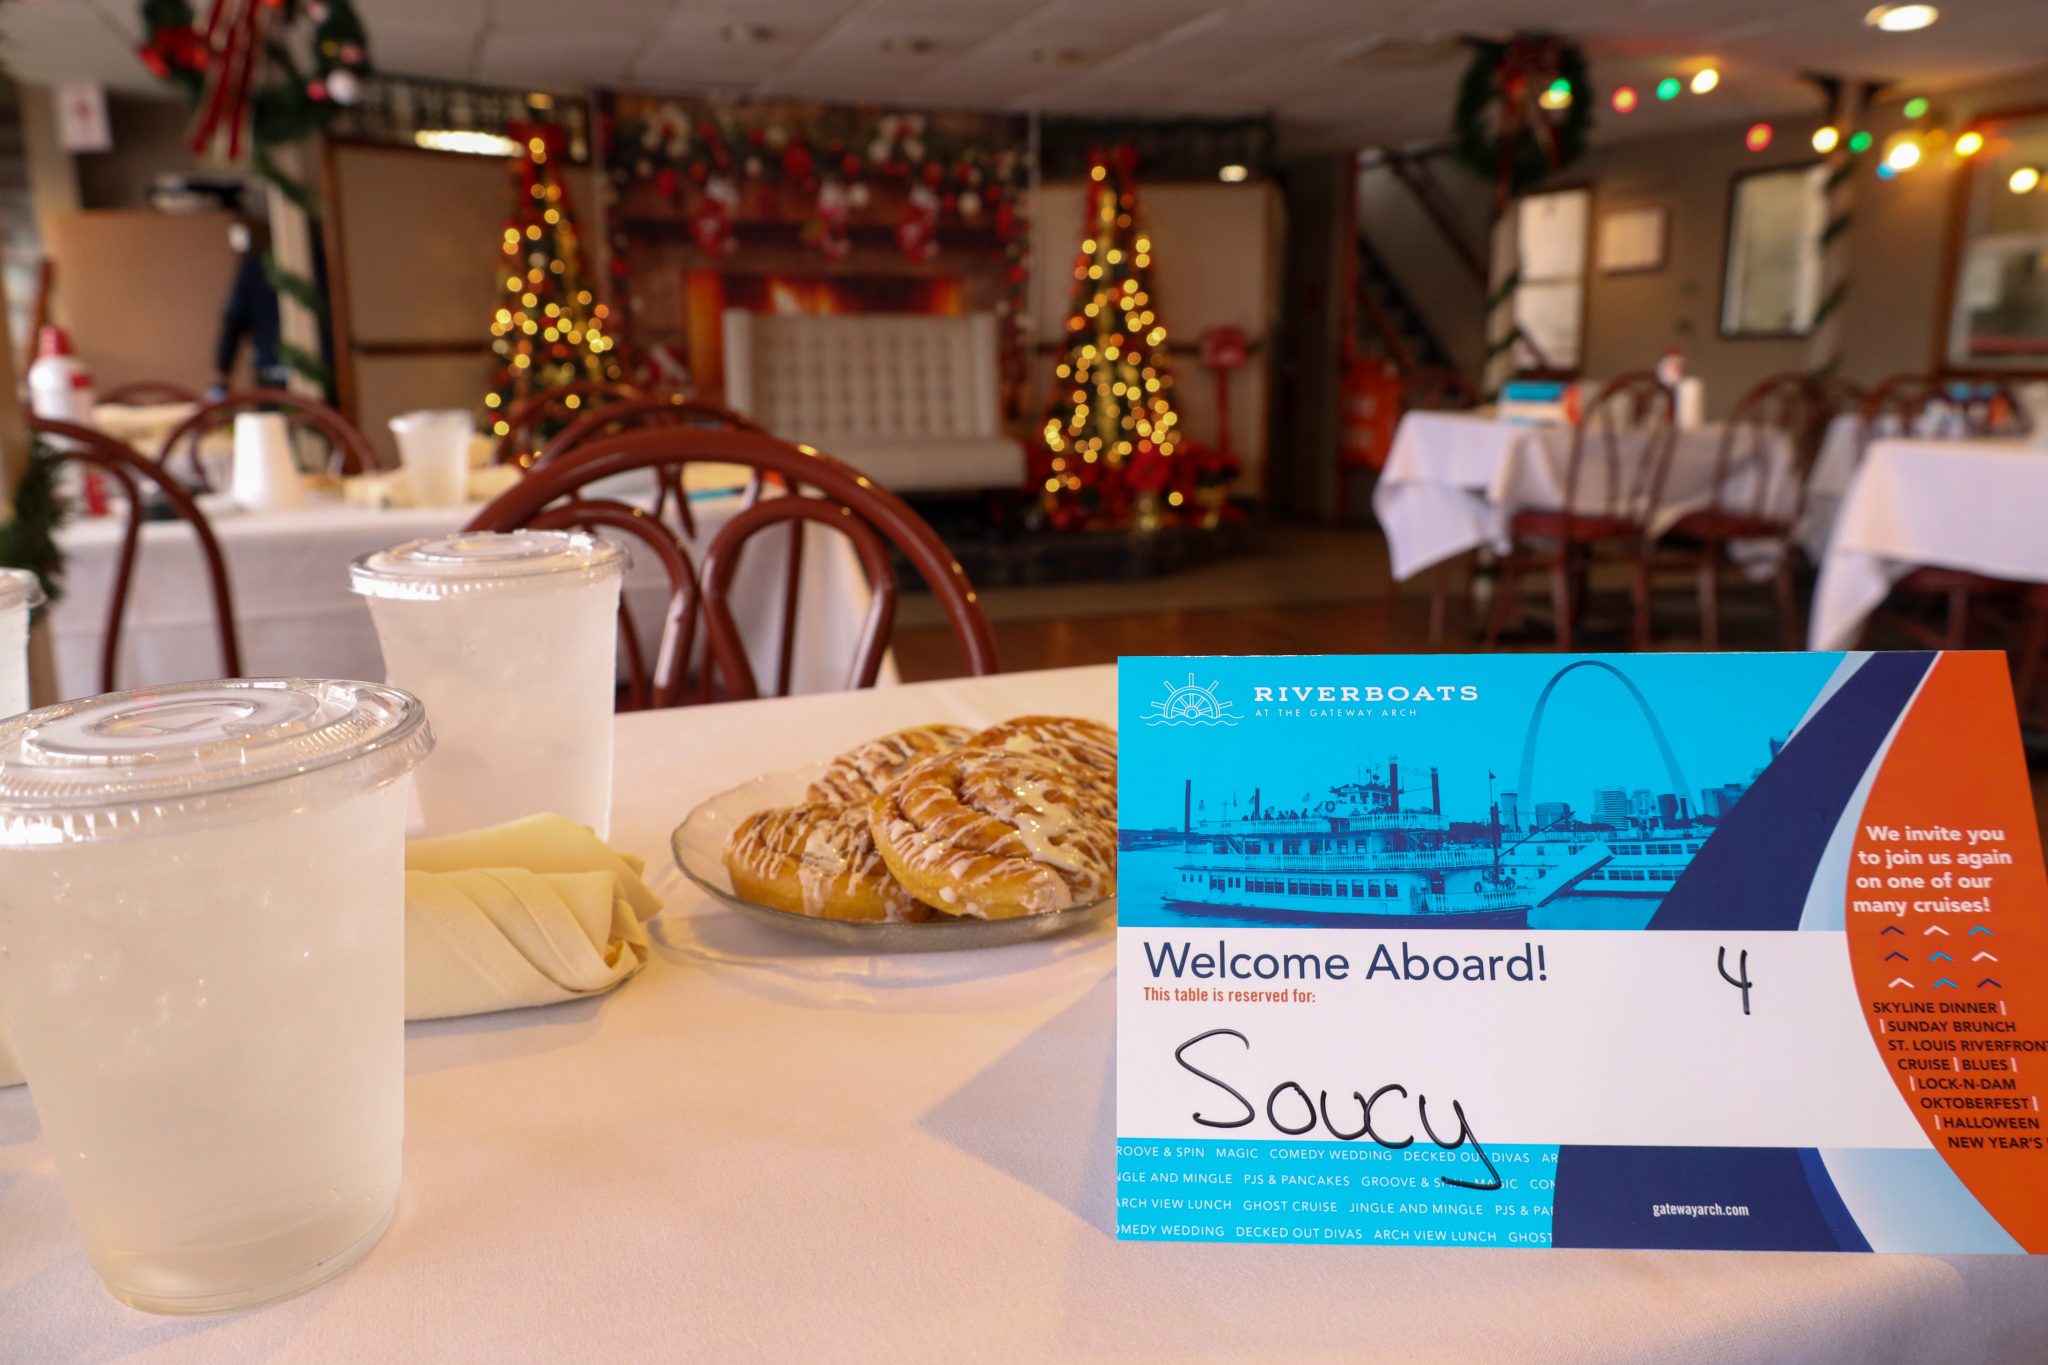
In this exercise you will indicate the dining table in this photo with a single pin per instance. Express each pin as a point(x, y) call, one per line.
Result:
point(769, 1147)
point(296, 615)
point(1946, 502)
point(1453, 481)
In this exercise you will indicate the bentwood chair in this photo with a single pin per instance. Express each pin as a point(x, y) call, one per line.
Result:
point(1612, 479)
point(347, 451)
point(815, 490)
point(1749, 500)
point(532, 418)
point(148, 393)
point(136, 476)
point(1898, 406)
point(651, 412)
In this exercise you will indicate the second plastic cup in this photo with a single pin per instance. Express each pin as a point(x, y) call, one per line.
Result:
point(433, 449)
point(511, 640)
point(202, 962)
point(20, 593)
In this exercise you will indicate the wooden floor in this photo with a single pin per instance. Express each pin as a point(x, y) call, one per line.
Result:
point(1378, 618)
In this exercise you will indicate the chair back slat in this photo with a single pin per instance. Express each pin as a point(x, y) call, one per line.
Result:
point(1631, 419)
point(348, 452)
point(135, 474)
point(809, 489)
point(1780, 409)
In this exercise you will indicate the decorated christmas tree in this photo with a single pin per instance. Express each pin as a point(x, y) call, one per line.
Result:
point(549, 329)
point(1110, 429)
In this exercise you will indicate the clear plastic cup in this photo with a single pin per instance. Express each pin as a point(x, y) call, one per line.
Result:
point(511, 640)
point(433, 449)
point(202, 961)
point(20, 593)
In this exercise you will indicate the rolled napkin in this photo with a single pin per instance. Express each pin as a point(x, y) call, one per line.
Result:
point(532, 912)
point(528, 913)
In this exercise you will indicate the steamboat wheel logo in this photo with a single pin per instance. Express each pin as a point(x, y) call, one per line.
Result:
point(1190, 704)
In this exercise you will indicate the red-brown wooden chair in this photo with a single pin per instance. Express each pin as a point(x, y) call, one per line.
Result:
point(1896, 407)
point(347, 451)
point(651, 412)
point(1777, 413)
point(135, 475)
point(821, 490)
point(148, 393)
point(549, 409)
point(1625, 433)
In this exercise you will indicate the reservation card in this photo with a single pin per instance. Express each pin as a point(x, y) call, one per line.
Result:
point(1657, 950)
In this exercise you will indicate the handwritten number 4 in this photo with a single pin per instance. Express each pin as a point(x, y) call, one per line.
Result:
point(1741, 979)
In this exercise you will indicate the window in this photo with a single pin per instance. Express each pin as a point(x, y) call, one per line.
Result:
point(1551, 232)
point(1771, 284)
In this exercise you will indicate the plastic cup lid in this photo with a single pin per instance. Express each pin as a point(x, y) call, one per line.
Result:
point(486, 562)
point(144, 762)
point(19, 589)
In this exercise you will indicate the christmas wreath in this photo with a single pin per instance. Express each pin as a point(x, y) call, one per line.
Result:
point(1502, 127)
point(222, 65)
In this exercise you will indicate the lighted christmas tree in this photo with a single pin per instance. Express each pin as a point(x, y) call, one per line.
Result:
point(1109, 430)
point(549, 329)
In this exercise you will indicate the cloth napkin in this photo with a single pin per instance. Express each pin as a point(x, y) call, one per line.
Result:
point(528, 913)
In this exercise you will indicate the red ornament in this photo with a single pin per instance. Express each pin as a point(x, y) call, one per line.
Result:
point(796, 161)
point(711, 224)
point(667, 183)
point(917, 232)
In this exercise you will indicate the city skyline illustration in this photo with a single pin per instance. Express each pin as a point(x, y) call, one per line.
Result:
point(1598, 740)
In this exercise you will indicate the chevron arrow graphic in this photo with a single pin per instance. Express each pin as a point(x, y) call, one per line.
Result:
point(1934, 929)
point(1901, 981)
point(1890, 929)
point(1948, 983)
point(1984, 957)
point(1989, 983)
point(1980, 929)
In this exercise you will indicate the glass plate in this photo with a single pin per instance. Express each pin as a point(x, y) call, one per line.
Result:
point(699, 847)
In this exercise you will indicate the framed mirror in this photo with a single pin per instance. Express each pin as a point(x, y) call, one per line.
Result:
point(1770, 281)
point(1998, 317)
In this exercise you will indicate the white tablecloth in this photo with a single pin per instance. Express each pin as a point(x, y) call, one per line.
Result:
point(288, 572)
point(1454, 481)
point(1954, 504)
point(762, 1150)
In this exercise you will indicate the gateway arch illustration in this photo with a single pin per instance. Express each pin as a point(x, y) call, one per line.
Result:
point(1527, 788)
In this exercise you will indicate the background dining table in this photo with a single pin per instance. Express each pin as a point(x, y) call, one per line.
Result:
point(1911, 501)
point(288, 573)
point(766, 1147)
point(1453, 481)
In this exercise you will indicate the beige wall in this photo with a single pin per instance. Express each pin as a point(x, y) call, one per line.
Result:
point(1898, 251)
point(141, 292)
point(1215, 261)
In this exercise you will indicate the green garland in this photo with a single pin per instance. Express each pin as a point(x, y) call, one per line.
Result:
point(295, 104)
point(1476, 119)
point(29, 539)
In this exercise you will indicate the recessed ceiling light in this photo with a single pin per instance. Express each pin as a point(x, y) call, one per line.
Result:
point(908, 46)
point(1232, 174)
point(747, 33)
point(465, 140)
point(1901, 18)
